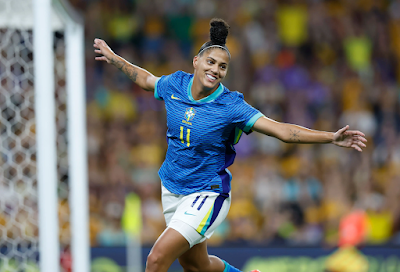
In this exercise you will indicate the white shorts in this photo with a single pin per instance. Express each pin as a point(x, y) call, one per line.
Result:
point(195, 216)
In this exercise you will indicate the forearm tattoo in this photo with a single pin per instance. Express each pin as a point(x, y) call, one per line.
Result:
point(295, 135)
point(129, 70)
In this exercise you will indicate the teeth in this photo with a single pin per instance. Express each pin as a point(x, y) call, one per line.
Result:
point(211, 77)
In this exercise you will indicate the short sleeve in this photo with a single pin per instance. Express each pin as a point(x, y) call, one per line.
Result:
point(243, 115)
point(161, 87)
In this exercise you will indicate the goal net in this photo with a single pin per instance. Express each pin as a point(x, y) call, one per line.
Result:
point(21, 248)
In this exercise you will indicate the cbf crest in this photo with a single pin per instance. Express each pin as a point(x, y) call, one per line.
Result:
point(189, 114)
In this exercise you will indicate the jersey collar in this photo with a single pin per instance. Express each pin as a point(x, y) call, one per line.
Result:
point(206, 99)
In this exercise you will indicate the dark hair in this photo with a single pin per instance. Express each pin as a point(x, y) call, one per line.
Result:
point(219, 30)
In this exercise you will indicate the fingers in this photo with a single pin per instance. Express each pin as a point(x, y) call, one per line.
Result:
point(102, 58)
point(355, 132)
point(98, 41)
point(359, 143)
point(343, 129)
point(350, 138)
point(102, 48)
point(359, 138)
point(356, 147)
point(362, 139)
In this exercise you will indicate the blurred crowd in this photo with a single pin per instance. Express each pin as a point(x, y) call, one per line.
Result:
point(319, 64)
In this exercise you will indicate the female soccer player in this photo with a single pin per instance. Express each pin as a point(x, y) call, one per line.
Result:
point(204, 122)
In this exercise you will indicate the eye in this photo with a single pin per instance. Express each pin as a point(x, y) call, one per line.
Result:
point(223, 67)
point(210, 62)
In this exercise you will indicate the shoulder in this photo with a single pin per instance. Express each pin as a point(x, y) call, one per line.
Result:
point(179, 80)
point(178, 76)
point(230, 97)
point(173, 84)
point(181, 76)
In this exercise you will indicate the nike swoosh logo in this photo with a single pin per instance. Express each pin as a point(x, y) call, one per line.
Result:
point(173, 97)
point(189, 213)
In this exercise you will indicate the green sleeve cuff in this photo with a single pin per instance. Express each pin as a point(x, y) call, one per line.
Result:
point(251, 122)
point(155, 91)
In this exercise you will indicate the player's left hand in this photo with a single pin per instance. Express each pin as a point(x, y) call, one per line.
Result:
point(349, 138)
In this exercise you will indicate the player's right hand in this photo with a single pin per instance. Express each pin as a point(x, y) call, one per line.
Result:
point(103, 49)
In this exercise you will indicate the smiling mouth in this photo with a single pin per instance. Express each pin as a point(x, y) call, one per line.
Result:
point(210, 77)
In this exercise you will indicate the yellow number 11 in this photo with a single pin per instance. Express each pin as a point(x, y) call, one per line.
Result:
point(187, 136)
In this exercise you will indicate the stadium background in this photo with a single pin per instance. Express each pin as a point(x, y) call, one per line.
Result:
point(320, 64)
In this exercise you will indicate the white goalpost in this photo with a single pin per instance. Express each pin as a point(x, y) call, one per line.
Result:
point(45, 136)
point(43, 173)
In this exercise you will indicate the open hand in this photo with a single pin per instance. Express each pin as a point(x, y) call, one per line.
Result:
point(349, 138)
point(103, 49)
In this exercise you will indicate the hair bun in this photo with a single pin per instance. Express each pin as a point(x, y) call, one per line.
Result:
point(219, 31)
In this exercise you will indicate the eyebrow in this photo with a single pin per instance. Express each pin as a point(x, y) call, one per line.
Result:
point(216, 60)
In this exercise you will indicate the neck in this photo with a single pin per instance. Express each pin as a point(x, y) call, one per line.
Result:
point(199, 91)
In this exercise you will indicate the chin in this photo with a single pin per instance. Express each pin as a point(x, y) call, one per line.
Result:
point(211, 85)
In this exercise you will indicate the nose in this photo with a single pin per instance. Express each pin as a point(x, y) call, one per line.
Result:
point(214, 69)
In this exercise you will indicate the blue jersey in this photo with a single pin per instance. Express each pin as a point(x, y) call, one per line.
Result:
point(201, 135)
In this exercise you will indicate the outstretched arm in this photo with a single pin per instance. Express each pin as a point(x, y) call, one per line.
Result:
point(290, 133)
point(140, 76)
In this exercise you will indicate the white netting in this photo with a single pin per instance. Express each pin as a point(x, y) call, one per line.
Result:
point(18, 181)
point(17, 14)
